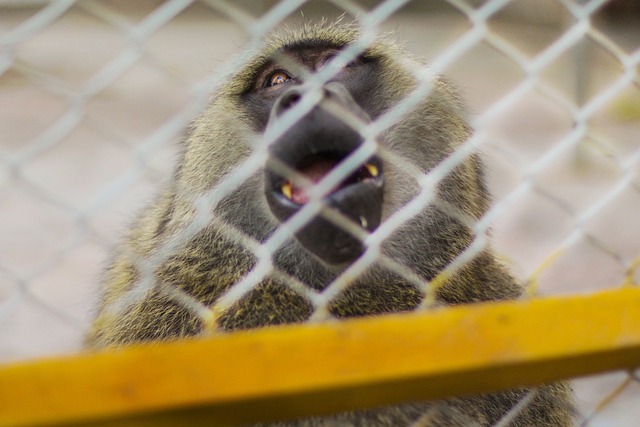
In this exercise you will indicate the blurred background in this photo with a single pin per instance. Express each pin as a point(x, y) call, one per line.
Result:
point(95, 95)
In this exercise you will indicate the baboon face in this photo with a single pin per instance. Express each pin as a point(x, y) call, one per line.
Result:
point(313, 147)
point(358, 187)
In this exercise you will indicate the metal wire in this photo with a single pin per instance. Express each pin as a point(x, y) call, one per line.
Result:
point(21, 286)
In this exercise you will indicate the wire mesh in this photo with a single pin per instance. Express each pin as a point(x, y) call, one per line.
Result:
point(97, 95)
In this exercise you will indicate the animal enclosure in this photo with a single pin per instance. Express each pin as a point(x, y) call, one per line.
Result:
point(97, 96)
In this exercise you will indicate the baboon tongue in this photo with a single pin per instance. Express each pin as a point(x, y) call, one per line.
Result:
point(314, 172)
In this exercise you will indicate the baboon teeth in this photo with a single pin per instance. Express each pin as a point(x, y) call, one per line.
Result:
point(287, 190)
point(372, 169)
point(366, 172)
point(299, 195)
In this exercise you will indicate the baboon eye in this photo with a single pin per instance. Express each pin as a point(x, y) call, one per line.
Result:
point(277, 78)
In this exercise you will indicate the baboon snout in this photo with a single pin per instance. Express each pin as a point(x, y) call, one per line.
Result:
point(311, 161)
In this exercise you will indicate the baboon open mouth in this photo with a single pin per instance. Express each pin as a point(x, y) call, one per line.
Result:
point(357, 198)
point(315, 167)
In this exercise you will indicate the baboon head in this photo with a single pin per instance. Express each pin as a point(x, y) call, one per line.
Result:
point(326, 161)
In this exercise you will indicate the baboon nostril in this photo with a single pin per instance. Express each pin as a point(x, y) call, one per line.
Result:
point(288, 100)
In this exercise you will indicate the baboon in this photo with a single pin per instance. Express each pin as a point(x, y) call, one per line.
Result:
point(249, 105)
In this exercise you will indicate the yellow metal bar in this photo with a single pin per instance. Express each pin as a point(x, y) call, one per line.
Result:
point(303, 370)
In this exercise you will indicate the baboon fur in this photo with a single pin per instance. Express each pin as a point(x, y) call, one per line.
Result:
point(211, 261)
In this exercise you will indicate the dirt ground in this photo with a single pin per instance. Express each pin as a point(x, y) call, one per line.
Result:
point(75, 170)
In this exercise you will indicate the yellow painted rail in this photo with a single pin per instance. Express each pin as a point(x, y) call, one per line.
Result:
point(302, 370)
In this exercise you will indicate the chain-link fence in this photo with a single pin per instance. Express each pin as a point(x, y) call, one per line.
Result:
point(97, 96)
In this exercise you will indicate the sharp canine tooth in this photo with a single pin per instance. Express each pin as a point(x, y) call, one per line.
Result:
point(373, 171)
point(286, 190)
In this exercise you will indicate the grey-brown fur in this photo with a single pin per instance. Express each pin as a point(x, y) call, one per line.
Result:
point(211, 262)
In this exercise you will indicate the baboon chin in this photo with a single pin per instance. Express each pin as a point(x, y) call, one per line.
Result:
point(327, 187)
